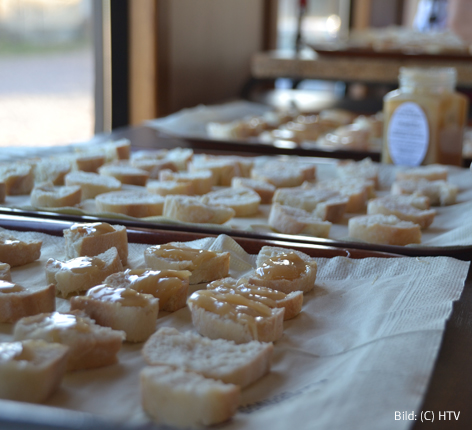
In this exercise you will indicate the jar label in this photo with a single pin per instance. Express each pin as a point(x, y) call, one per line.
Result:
point(408, 135)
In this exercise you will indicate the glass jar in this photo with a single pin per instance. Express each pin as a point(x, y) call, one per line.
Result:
point(424, 118)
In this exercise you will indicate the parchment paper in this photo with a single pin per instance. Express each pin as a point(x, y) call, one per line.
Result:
point(363, 347)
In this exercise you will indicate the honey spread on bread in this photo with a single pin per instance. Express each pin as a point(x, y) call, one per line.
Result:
point(12, 351)
point(170, 252)
point(123, 296)
point(79, 264)
point(54, 323)
point(9, 287)
point(93, 229)
point(283, 266)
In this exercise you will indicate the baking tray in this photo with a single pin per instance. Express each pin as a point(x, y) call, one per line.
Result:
point(48, 221)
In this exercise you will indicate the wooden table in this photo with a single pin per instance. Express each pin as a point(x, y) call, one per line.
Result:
point(369, 69)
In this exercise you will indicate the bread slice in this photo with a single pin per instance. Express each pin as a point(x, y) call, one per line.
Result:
point(292, 303)
point(47, 195)
point(118, 150)
point(120, 309)
point(154, 166)
point(289, 220)
point(17, 302)
point(330, 204)
point(279, 174)
point(264, 189)
point(439, 192)
point(390, 206)
point(205, 266)
point(201, 180)
point(384, 230)
point(5, 274)
point(182, 398)
point(90, 345)
point(416, 200)
point(366, 169)
point(92, 184)
point(223, 170)
point(432, 172)
point(180, 157)
point(138, 204)
point(3, 191)
point(284, 270)
point(169, 286)
point(245, 164)
point(89, 162)
point(82, 273)
point(15, 252)
point(32, 370)
point(217, 359)
point(357, 192)
point(52, 170)
point(164, 188)
point(244, 201)
point(17, 177)
point(125, 173)
point(192, 209)
point(234, 317)
point(90, 239)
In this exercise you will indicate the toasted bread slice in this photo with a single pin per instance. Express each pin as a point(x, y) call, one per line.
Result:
point(244, 201)
point(15, 252)
point(5, 274)
point(17, 177)
point(201, 180)
point(164, 188)
point(125, 173)
point(217, 359)
point(92, 184)
point(439, 192)
point(432, 172)
point(264, 189)
point(137, 204)
point(47, 195)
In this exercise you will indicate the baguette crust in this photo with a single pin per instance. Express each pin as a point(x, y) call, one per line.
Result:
point(3, 191)
point(89, 162)
point(169, 286)
point(138, 204)
point(82, 273)
point(32, 370)
point(218, 359)
point(166, 392)
point(192, 209)
point(304, 282)
point(95, 238)
point(5, 274)
point(47, 195)
point(90, 344)
point(25, 303)
point(384, 230)
point(15, 252)
point(211, 267)
point(17, 177)
point(164, 188)
point(107, 306)
point(154, 166)
point(213, 326)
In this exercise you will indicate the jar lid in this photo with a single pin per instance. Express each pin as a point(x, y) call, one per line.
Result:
point(429, 76)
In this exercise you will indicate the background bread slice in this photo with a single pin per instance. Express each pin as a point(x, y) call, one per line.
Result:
point(137, 204)
point(17, 302)
point(201, 180)
point(90, 239)
point(432, 172)
point(120, 309)
point(125, 173)
point(216, 316)
point(92, 184)
point(32, 370)
point(17, 177)
point(164, 188)
point(52, 170)
point(192, 209)
point(15, 252)
point(46, 195)
point(3, 191)
point(264, 189)
point(182, 398)
point(90, 345)
point(82, 273)
point(5, 274)
point(244, 201)
point(384, 230)
point(218, 359)
point(439, 192)
point(89, 162)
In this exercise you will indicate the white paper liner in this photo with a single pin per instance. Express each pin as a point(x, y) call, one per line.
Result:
point(363, 347)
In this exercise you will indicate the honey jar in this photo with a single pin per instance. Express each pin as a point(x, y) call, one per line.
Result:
point(424, 118)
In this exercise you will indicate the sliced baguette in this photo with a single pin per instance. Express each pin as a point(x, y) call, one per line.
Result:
point(125, 173)
point(432, 172)
point(365, 169)
point(52, 170)
point(169, 286)
point(82, 273)
point(90, 239)
point(218, 359)
point(3, 191)
point(90, 345)
point(138, 204)
point(17, 302)
point(15, 252)
point(192, 209)
point(244, 201)
point(5, 274)
point(164, 188)
point(292, 303)
point(264, 189)
point(289, 220)
point(46, 195)
point(439, 192)
point(154, 166)
point(120, 309)
point(92, 184)
point(201, 180)
point(384, 230)
point(89, 162)
point(390, 206)
point(284, 270)
point(17, 177)
point(32, 370)
point(205, 266)
point(166, 392)
point(223, 170)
